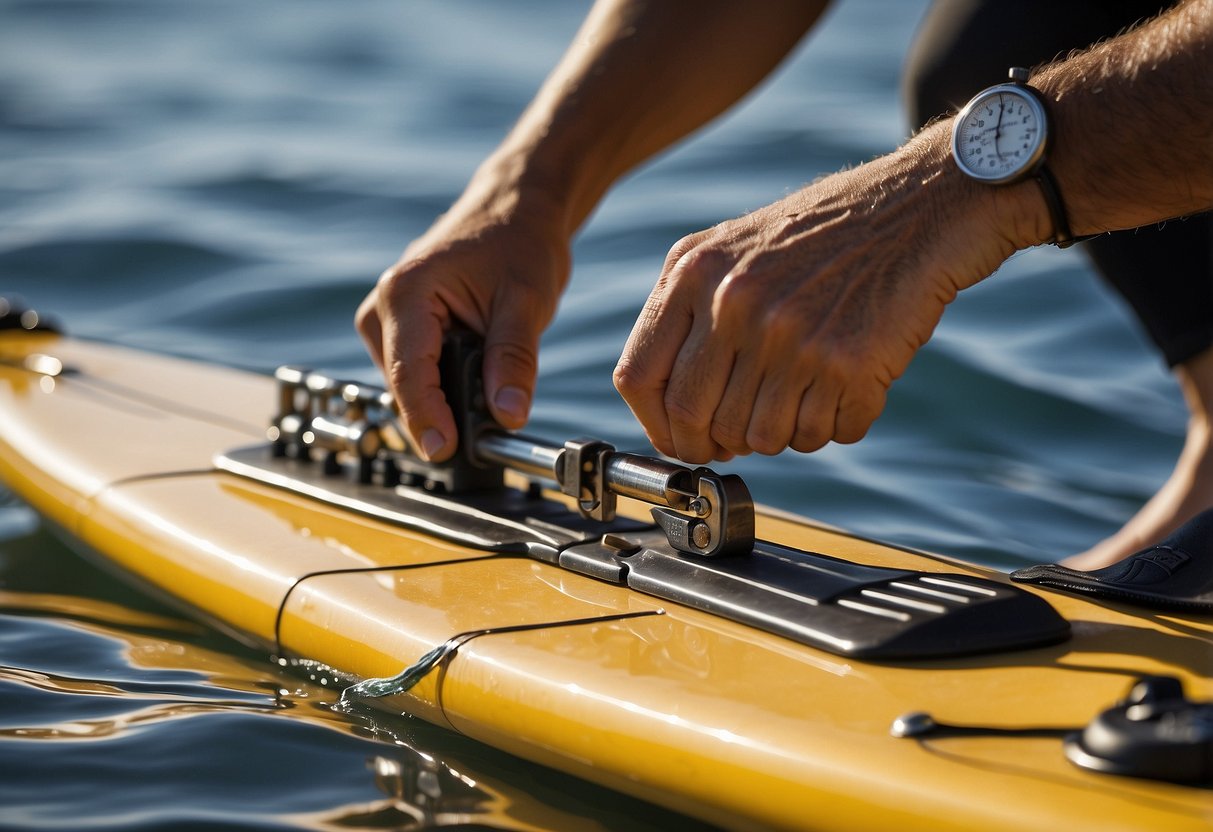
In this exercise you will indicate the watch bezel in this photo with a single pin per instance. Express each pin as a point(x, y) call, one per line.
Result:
point(1028, 166)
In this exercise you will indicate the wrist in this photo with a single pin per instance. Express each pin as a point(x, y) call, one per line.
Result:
point(536, 182)
point(511, 187)
point(1001, 219)
point(1020, 213)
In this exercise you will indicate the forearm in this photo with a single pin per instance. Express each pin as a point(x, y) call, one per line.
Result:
point(785, 327)
point(1133, 121)
point(640, 75)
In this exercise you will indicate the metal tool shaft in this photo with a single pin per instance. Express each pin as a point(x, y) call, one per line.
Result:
point(521, 453)
point(648, 479)
point(628, 475)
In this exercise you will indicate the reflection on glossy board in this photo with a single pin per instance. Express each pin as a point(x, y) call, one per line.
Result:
point(99, 682)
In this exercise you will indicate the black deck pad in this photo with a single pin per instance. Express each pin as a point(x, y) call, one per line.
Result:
point(1177, 574)
point(846, 608)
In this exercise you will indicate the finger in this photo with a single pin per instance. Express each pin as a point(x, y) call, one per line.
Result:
point(511, 357)
point(859, 407)
point(412, 345)
point(776, 409)
point(719, 359)
point(816, 415)
point(659, 371)
point(731, 421)
point(366, 322)
point(697, 382)
point(643, 369)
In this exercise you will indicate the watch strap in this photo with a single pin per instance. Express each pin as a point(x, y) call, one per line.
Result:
point(1062, 237)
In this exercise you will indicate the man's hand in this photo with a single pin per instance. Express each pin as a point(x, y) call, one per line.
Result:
point(499, 259)
point(496, 263)
point(785, 328)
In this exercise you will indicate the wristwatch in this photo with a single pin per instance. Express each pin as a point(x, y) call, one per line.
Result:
point(1002, 136)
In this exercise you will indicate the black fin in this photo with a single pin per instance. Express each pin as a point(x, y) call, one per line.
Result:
point(1177, 574)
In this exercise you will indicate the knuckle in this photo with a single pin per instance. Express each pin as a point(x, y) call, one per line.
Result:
point(420, 409)
point(630, 379)
point(703, 267)
point(848, 433)
point(729, 434)
point(693, 279)
point(763, 441)
point(398, 376)
point(858, 413)
point(746, 298)
point(681, 248)
point(514, 358)
point(810, 436)
point(684, 417)
point(739, 290)
point(403, 275)
point(366, 313)
point(394, 273)
point(806, 444)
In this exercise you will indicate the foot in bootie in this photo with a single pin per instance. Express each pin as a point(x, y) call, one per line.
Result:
point(1176, 574)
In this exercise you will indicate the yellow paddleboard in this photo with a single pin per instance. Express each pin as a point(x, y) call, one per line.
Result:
point(732, 721)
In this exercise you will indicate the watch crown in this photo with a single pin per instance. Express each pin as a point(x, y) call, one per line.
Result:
point(1018, 74)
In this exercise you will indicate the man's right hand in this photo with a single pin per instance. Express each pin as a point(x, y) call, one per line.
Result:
point(496, 263)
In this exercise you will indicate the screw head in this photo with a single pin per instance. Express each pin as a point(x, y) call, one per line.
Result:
point(913, 724)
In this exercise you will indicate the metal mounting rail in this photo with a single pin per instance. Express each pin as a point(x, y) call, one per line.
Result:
point(701, 512)
point(338, 442)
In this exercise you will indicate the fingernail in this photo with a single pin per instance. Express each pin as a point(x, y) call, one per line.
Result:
point(512, 402)
point(431, 443)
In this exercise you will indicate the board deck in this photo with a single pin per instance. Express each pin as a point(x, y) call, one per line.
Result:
point(700, 714)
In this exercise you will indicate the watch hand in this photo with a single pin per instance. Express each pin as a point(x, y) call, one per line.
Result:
point(998, 127)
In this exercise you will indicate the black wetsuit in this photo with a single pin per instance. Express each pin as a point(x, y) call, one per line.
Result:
point(963, 46)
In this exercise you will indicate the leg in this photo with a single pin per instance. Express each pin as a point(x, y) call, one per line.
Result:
point(1187, 492)
point(1165, 274)
point(1177, 316)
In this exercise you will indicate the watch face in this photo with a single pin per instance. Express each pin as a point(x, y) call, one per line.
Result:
point(1000, 135)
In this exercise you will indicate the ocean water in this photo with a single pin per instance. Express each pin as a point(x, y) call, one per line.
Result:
point(224, 180)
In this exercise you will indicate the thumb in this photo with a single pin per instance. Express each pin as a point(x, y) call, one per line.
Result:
point(511, 360)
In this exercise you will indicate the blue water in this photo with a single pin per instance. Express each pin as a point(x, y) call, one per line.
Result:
point(224, 180)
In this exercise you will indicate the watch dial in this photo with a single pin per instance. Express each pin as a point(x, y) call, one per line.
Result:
point(1000, 135)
